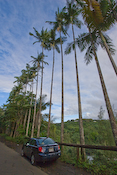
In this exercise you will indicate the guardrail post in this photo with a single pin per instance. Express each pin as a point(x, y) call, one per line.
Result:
point(77, 148)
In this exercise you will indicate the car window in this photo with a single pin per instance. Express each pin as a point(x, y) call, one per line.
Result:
point(32, 142)
point(45, 141)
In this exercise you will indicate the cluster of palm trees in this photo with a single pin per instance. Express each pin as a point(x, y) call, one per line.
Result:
point(22, 107)
point(99, 16)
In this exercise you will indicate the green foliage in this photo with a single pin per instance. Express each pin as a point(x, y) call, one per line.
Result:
point(96, 133)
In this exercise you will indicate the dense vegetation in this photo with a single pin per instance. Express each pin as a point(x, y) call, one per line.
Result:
point(97, 132)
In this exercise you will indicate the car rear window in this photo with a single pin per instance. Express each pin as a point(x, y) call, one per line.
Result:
point(45, 141)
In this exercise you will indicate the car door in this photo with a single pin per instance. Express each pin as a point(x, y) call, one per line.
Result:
point(28, 147)
point(32, 147)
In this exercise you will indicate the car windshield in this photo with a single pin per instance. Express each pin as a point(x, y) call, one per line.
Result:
point(45, 141)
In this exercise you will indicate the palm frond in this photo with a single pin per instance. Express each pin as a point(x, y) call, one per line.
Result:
point(69, 48)
point(88, 55)
point(83, 40)
point(109, 44)
point(57, 48)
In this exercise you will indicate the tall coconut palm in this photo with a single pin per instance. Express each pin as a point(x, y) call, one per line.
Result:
point(53, 44)
point(37, 62)
point(101, 16)
point(59, 26)
point(87, 41)
point(83, 42)
point(33, 72)
point(72, 12)
point(27, 80)
point(105, 11)
point(42, 38)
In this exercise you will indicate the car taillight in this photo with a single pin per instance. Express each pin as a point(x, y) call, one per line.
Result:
point(58, 147)
point(40, 149)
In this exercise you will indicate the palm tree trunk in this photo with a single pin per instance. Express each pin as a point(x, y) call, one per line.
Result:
point(32, 132)
point(39, 119)
point(108, 52)
point(62, 100)
point(82, 139)
point(24, 124)
point(29, 113)
point(15, 128)
point(48, 132)
point(106, 97)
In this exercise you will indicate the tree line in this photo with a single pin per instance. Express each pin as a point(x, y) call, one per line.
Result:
point(98, 16)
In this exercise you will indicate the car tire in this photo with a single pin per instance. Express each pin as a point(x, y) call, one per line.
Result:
point(33, 161)
point(22, 153)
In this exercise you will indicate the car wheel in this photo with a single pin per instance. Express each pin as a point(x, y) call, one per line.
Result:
point(22, 153)
point(33, 162)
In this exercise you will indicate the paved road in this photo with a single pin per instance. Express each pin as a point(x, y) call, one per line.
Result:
point(11, 163)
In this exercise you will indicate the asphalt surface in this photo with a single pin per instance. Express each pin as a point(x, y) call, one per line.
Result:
point(11, 163)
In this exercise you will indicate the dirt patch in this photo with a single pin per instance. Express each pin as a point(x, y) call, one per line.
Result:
point(51, 168)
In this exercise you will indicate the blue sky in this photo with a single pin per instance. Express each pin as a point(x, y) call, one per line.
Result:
point(17, 19)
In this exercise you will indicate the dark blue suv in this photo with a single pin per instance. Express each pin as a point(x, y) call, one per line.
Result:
point(41, 150)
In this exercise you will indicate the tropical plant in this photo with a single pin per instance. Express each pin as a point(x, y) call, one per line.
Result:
point(98, 24)
point(33, 74)
point(53, 44)
point(72, 12)
point(37, 62)
point(59, 25)
point(91, 51)
point(43, 38)
point(100, 16)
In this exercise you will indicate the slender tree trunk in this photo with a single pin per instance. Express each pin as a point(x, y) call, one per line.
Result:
point(48, 132)
point(106, 97)
point(24, 124)
point(62, 97)
point(39, 119)
point(11, 130)
point(11, 134)
point(29, 113)
point(15, 128)
point(108, 52)
point(32, 132)
point(82, 139)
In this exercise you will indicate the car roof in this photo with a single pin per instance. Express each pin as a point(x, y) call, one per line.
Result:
point(39, 138)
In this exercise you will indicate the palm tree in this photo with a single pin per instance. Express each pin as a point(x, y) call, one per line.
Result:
point(43, 38)
point(89, 39)
point(101, 16)
point(106, 14)
point(72, 13)
point(84, 41)
point(53, 44)
point(27, 80)
point(37, 62)
point(33, 72)
point(59, 26)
